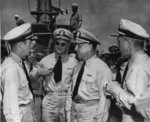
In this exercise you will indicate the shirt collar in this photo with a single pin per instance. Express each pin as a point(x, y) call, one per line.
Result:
point(64, 57)
point(88, 62)
point(135, 56)
point(16, 58)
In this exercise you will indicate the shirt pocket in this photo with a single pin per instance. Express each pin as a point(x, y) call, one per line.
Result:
point(24, 88)
point(23, 85)
point(68, 70)
point(90, 83)
point(67, 75)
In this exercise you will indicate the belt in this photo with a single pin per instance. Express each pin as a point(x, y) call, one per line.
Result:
point(81, 101)
point(24, 105)
point(57, 93)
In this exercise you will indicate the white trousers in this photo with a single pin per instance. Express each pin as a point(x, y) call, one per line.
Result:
point(85, 113)
point(28, 114)
point(53, 108)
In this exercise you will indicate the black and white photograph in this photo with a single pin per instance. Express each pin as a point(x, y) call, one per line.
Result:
point(75, 61)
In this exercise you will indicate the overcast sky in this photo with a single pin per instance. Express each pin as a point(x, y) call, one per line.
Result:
point(101, 17)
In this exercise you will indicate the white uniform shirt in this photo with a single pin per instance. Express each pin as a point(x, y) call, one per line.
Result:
point(96, 74)
point(136, 83)
point(15, 88)
point(68, 62)
point(138, 76)
point(137, 79)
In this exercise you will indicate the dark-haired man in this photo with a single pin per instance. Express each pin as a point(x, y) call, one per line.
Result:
point(56, 68)
point(86, 100)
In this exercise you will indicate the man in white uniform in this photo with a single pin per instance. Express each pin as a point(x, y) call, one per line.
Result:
point(136, 76)
point(17, 96)
point(86, 100)
point(56, 68)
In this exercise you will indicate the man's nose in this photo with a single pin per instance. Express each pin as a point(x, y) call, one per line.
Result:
point(59, 46)
point(76, 47)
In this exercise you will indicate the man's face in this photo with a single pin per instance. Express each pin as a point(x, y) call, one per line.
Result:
point(83, 49)
point(123, 45)
point(74, 8)
point(61, 47)
point(26, 47)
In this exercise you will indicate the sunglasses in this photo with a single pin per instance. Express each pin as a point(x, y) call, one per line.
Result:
point(61, 44)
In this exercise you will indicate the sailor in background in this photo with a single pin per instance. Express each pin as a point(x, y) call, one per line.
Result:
point(17, 95)
point(19, 21)
point(136, 76)
point(75, 19)
point(86, 100)
point(56, 69)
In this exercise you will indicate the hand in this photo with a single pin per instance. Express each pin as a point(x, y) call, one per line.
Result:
point(113, 87)
point(44, 71)
point(126, 99)
point(123, 100)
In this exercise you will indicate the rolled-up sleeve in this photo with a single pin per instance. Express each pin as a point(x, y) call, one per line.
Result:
point(10, 99)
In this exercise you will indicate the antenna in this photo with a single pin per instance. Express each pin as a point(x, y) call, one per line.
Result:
point(30, 8)
point(59, 3)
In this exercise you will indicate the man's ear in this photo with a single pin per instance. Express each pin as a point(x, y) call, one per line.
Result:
point(130, 42)
point(91, 46)
point(20, 45)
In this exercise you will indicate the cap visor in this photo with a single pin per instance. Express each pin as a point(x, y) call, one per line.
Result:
point(80, 41)
point(62, 38)
point(114, 35)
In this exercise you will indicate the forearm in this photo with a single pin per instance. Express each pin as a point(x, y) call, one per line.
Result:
point(104, 103)
point(100, 109)
point(68, 104)
point(103, 107)
point(124, 98)
point(34, 74)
